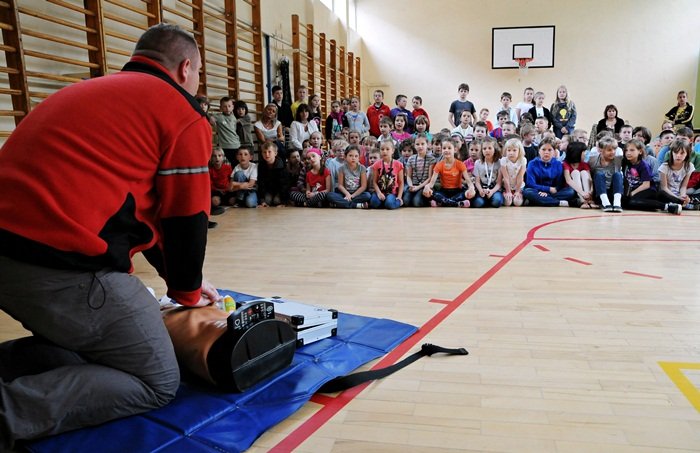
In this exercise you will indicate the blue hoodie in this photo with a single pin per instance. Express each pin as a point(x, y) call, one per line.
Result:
point(543, 175)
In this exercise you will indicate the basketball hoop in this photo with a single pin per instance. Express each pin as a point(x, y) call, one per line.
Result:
point(522, 65)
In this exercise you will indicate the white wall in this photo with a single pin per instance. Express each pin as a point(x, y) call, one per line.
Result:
point(635, 54)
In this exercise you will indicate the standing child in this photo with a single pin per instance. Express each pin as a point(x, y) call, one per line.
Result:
point(506, 99)
point(465, 128)
point(675, 174)
point(563, 113)
point(273, 179)
point(484, 116)
point(400, 109)
point(419, 170)
point(335, 160)
point(487, 172)
point(526, 104)
point(356, 119)
point(539, 110)
point(544, 179)
point(639, 190)
point(606, 169)
point(418, 109)
point(513, 172)
point(461, 104)
point(225, 124)
point(376, 112)
point(399, 133)
point(335, 121)
point(244, 127)
point(577, 174)
point(351, 191)
point(301, 98)
point(387, 179)
point(244, 180)
point(527, 132)
point(452, 173)
point(315, 110)
point(317, 180)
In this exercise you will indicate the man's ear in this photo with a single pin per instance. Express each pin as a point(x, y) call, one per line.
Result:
point(183, 70)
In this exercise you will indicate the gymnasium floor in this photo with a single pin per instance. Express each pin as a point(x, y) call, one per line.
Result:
point(568, 316)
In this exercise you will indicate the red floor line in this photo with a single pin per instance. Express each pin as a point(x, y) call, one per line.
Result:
point(328, 411)
point(319, 398)
point(574, 260)
point(440, 301)
point(541, 247)
point(643, 275)
point(618, 239)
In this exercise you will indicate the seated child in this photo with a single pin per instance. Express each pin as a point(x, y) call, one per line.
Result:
point(675, 174)
point(464, 128)
point(544, 181)
point(387, 179)
point(421, 126)
point(640, 192)
point(335, 160)
point(502, 117)
point(244, 180)
point(400, 133)
point(317, 181)
point(273, 179)
point(351, 191)
point(220, 177)
point(452, 173)
point(386, 124)
point(577, 174)
point(513, 172)
point(419, 170)
point(487, 172)
point(606, 168)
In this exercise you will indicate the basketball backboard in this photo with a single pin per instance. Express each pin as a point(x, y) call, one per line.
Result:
point(509, 43)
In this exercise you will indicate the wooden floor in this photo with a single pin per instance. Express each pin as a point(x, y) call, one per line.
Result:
point(566, 313)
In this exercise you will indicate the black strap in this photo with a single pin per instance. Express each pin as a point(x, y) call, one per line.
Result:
point(345, 382)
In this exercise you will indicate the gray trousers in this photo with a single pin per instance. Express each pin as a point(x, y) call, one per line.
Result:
point(99, 352)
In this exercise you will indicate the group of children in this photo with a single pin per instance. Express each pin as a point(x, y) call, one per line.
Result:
point(388, 158)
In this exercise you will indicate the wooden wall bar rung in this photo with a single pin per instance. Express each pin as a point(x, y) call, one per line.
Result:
point(215, 29)
point(121, 20)
point(58, 78)
point(133, 9)
point(220, 64)
point(11, 113)
point(5, 48)
point(5, 70)
point(46, 56)
point(73, 7)
point(122, 52)
point(220, 75)
point(55, 20)
point(36, 34)
point(217, 15)
point(218, 52)
point(116, 34)
point(190, 4)
point(10, 91)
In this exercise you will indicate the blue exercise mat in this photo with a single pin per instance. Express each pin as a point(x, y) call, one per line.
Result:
point(206, 420)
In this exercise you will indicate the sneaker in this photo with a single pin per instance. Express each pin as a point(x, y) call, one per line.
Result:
point(464, 204)
point(217, 210)
point(362, 206)
point(564, 204)
point(674, 208)
point(212, 225)
point(693, 206)
point(607, 208)
point(617, 208)
point(433, 204)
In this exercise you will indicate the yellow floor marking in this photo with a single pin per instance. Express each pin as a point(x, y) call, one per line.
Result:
point(673, 370)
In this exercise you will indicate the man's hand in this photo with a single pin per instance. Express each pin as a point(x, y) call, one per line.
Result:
point(209, 294)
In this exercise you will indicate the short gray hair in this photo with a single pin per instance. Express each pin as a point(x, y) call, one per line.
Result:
point(167, 44)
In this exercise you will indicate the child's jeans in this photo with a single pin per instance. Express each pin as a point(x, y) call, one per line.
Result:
point(449, 197)
point(496, 200)
point(415, 199)
point(390, 202)
point(338, 200)
point(601, 186)
point(247, 197)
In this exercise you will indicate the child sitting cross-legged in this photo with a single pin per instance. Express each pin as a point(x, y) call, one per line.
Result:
point(545, 185)
point(452, 174)
point(351, 188)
